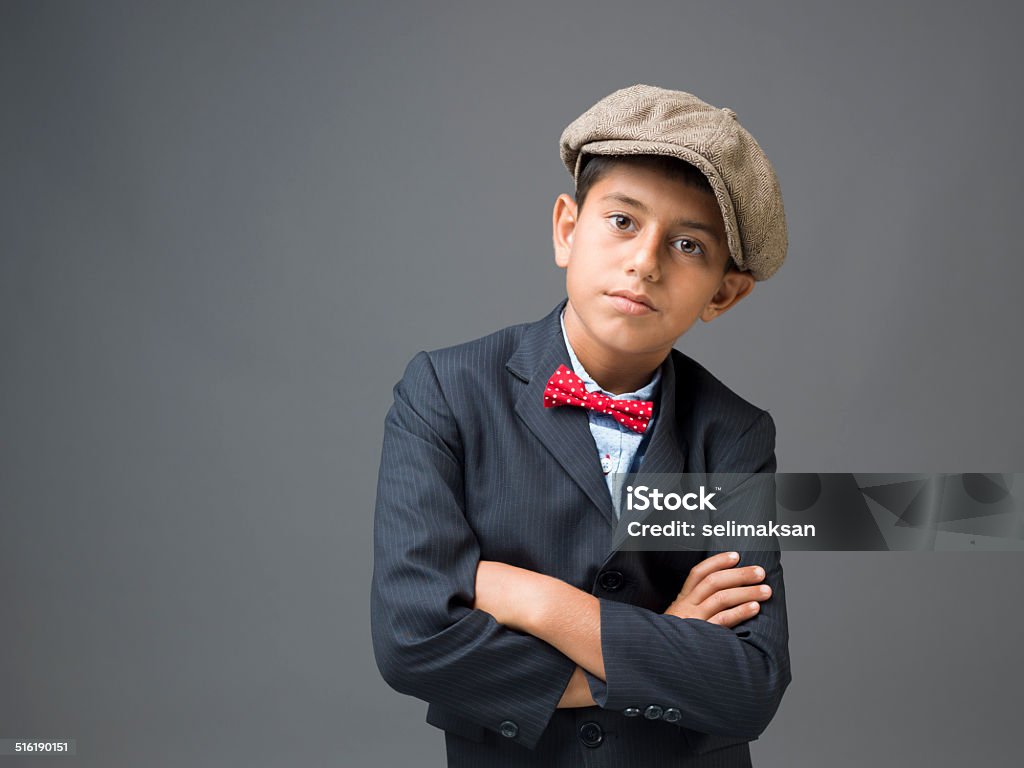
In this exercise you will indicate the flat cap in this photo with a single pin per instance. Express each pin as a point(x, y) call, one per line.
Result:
point(646, 120)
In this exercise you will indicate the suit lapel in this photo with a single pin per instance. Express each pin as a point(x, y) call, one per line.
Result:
point(565, 431)
point(665, 454)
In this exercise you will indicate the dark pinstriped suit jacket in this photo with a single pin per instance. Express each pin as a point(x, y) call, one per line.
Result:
point(474, 467)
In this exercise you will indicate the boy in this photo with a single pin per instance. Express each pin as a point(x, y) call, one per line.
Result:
point(497, 596)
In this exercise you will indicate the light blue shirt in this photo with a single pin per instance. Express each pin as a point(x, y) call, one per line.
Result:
point(617, 445)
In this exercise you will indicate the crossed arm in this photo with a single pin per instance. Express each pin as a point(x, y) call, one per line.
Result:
point(491, 643)
point(569, 619)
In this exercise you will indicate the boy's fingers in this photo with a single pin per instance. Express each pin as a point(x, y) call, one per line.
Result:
point(737, 615)
point(727, 579)
point(708, 566)
point(727, 599)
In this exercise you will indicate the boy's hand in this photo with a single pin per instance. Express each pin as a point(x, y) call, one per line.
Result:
point(718, 592)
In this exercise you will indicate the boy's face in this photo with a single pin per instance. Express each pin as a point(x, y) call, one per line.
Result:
point(644, 258)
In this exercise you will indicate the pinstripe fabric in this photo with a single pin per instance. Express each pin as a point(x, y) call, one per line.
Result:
point(464, 478)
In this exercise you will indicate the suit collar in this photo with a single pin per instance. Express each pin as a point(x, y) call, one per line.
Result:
point(565, 432)
point(535, 345)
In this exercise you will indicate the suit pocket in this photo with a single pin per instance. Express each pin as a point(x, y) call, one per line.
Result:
point(446, 720)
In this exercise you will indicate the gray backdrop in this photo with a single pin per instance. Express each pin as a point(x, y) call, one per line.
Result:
point(226, 227)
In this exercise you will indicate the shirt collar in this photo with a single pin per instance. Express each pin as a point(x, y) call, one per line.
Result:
point(645, 392)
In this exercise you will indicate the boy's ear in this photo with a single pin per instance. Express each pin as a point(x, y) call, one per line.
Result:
point(563, 226)
point(735, 285)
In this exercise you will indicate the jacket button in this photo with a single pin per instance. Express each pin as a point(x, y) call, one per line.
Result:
point(591, 734)
point(653, 712)
point(672, 715)
point(610, 581)
point(631, 712)
point(509, 729)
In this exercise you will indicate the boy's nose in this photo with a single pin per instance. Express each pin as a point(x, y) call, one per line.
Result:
point(644, 262)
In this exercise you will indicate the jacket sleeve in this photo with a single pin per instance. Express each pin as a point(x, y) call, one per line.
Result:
point(720, 681)
point(428, 640)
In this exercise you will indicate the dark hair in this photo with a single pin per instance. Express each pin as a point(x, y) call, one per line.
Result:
point(595, 167)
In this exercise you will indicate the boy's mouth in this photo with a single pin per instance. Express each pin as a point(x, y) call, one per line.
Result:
point(631, 303)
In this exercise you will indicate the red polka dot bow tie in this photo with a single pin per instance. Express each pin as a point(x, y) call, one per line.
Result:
point(566, 388)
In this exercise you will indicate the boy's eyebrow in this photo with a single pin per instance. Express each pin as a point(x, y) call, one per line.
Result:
point(627, 200)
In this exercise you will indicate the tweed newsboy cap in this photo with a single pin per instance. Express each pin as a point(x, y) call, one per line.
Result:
point(646, 120)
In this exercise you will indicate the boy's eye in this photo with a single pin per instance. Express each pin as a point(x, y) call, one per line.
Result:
point(620, 222)
point(690, 247)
